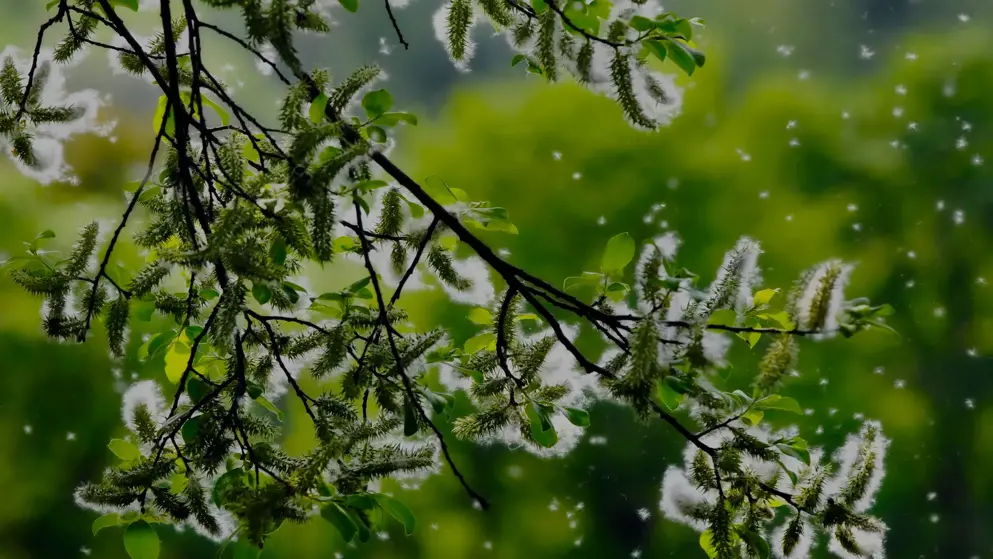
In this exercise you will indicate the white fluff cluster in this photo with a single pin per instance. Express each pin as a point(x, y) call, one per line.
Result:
point(740, 271)
point(559, 368)
point(439, 22)
point(680, 494)
point(50, 138)
point(814, 291)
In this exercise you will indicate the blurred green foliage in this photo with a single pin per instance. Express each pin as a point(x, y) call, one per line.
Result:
point(497, 142)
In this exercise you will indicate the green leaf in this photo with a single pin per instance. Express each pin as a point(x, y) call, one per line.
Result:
point(656, 48)
point(232, 477)
point(751, 338)
point(221, 113)
point(350, 5)
point(197, 389)
point(486, 340)
point(479, 315)
point(668, 395)
point(578, 417)
point(541, 427)
point(617, 290)
point(800, 454)
point(416, 210)
point(262, 293)
point(51, 4)
point(527, 316)
point(209, 294)
point(124, 450)
point(586, 279)
point(253, 390)
point(140, 539)
point(270, 406)
point(377, 134)
point(781, 319)
point(517, 59)
point(334, 514)
point(397, 510)
point(392, 119)
point(106, 521)
point(686, 57)
point(176, 360)
point(377, 102)
point(190, 429)
point(410, 425)
point(617, 255)
point(777, 402)
point(723, 317)
point(757, 543)
point(707, 544)
point(763, 297)
point(129, 4)
point(160, 113)
point(317, 108)
point(752, 417)
point(793, 477)
point(277, 251)
point(438, 189)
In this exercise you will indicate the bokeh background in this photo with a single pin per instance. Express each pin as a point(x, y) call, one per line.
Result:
point(861, 129)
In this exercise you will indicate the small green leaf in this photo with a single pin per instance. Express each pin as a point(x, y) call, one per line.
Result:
point(160, 113)
point(707, 544)
point(793, 477)
point(657, 48)
point(317, 108)
point(410, 425)
point(190, 429)
point(377, 102)
point(350, 5)
point(334, 514)
point(129, 4)
point(392, 119)
point(106, 521)
point(668, 395)
point(479, 315)
point(752, 417)
point(438, 189)
point(253, 390)
point(197, 389)
point(221, 113)
point(763, 297)
point(234, 477)
point(124, 450)
point(757, 543)
point(262, 293)
point(51, 4)
point(686, 57)
point(209, 294)
point(517, 59)
point(140, 539)
point(486, 340)
point(277, 251)
point(377, 134)
point(777, 402)
point(578, 417)
point(270, 406)
point(541, 427)
point(397, 510)
point(176, 360)
point(617, 255)
point(723, 317)
point(800, 454)
point(617, 290)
